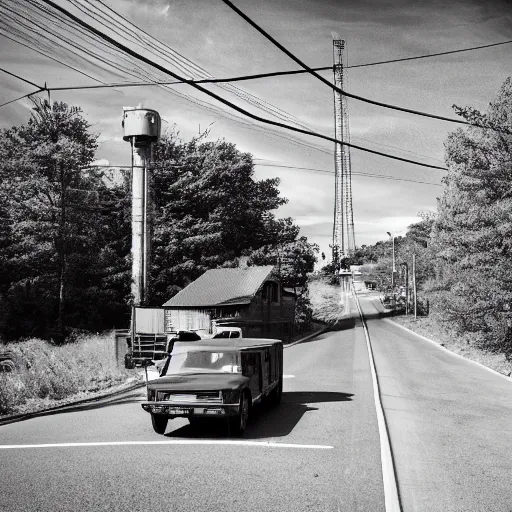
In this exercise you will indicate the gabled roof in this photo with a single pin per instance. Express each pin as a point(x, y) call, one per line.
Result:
point(222, 287)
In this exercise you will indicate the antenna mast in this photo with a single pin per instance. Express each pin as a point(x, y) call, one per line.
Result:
point(343, 239)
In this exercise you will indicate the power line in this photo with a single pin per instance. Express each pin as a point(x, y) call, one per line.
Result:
point(52, 58)
point(219, 98)
point(196, 69)
point(429, 55)
point(212, 80)
point(246, 96)
point(365, 174)
point(62, 21)
point(333, 87)
point(365, 65)
point(322, 68)
point(60, 37)
point(21, 97)
point(397, 148)
point(132, 35)
point(20, 78)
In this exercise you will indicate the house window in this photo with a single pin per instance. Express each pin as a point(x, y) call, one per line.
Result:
point(271, 292)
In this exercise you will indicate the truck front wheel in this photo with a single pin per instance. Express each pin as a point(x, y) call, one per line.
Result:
point(159, 422)
point(238, 423)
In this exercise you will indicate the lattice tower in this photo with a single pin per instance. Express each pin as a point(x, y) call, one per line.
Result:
point(343, 242)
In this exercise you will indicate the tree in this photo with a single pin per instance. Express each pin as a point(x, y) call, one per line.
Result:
point(209, 211)
point(472, 234)
point(52, 211)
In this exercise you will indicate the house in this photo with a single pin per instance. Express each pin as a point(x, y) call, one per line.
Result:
point(250, 297)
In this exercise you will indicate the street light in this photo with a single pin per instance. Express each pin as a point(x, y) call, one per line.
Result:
point(394, 264)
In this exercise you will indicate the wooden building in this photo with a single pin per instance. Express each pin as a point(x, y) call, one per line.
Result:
point(251, 298)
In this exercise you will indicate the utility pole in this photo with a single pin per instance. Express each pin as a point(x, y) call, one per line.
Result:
point(394, 264)
point(414, 286)
point(406, 287)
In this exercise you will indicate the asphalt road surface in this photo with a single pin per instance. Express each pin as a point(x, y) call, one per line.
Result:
point(317, 451)
point(450, 425)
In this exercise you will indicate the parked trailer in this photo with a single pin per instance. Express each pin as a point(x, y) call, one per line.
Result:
point(145, 347)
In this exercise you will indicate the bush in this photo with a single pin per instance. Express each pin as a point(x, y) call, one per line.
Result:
point(46, 371)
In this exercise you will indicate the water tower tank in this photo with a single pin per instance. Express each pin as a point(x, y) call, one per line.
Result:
point(143, 124)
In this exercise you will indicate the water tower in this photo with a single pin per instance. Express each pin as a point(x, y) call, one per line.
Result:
point(141, 129)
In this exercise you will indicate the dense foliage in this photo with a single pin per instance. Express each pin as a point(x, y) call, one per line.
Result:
point(464, 250)
point(209, 211)
point(65, 234)
point(472, 235)
point(53, 254)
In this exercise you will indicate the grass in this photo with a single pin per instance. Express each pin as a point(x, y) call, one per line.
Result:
point(432, 328)
point(325, 301)
point(48, 375)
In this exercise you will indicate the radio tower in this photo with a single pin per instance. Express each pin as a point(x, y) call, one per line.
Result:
point(343, 238)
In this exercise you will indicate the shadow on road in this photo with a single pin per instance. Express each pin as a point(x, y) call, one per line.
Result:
point(343, 323)
point(266, 422)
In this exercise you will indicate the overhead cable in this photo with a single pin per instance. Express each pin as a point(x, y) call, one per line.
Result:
point(322, 68)
point(332, 86)
point(219, 98)
point(20, 78)
point(52, 58)
point(365, 174)
point(364, 65)
point(167, 52)
point(21, 97)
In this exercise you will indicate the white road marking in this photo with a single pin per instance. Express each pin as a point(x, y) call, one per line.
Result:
point(288, 376)
point(438, 345)
point(391, 499)
point(262, 444)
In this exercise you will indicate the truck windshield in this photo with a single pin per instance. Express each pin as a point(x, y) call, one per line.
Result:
point(202, 362)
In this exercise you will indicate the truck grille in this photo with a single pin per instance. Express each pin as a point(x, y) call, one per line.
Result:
point(212, 397)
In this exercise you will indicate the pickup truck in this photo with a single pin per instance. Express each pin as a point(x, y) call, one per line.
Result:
point(216, 378)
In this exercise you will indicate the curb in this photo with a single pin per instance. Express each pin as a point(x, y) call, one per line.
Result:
point(438, 345)
point(14, 418)
point(308, 337)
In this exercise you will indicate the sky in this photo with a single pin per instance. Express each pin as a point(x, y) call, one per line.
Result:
point(221, 44)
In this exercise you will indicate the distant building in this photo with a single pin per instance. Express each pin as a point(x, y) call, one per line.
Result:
point(251, 298)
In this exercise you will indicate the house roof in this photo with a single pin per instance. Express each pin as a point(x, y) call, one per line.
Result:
point(222, 287)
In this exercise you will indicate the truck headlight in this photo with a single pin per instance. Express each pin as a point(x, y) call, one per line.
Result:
point(230, 396)
point(151, 395)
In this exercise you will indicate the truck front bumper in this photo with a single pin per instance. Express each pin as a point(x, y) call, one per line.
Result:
point(174, 410)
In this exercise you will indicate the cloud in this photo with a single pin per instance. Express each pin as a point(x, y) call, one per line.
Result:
point(165, 10)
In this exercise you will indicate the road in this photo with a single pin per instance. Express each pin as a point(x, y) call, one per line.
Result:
point(327, 421)
point(449, 423)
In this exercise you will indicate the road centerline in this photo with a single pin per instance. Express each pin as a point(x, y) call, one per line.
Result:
point(261, 444)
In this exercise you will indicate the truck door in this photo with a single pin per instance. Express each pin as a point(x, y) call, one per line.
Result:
point(251, 368)
point(266, 367)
